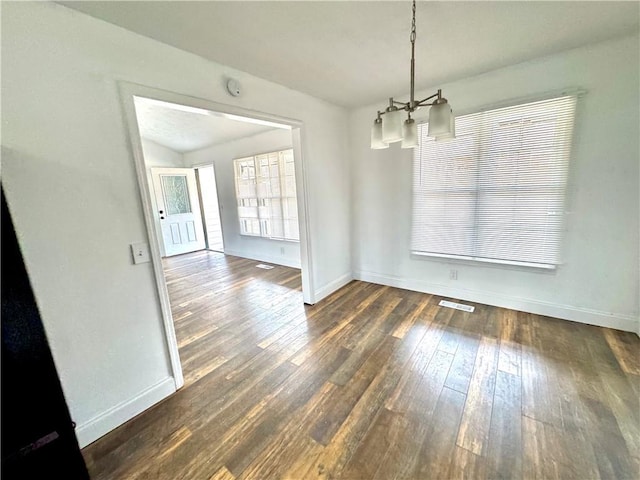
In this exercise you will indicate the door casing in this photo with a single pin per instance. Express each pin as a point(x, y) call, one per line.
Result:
point(127, 92)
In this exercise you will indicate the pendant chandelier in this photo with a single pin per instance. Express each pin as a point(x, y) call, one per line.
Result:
point(389, 127)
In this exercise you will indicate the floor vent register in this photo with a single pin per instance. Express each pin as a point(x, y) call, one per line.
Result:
point(457, 306)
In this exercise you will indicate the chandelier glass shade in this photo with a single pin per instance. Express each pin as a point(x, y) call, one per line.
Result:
point(392, 126)
point(395, 124)
point(409, 134)
point(376, 135)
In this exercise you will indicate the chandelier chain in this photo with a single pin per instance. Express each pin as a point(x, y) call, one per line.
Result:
point(391, 129)
point(413, 24)
point(411, 107)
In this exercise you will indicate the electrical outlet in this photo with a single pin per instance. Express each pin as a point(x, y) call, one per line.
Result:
point(453, 274)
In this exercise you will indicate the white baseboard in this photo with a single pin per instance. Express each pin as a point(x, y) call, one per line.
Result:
point(276, 260)
point(627, 323)
point(331, 287)
point(103, 423)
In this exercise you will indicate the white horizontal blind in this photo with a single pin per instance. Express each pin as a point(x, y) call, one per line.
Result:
point(496, 192)
point(267, 204)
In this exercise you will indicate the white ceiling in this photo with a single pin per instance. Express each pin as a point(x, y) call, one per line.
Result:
point(181, 130)
point(356, 53)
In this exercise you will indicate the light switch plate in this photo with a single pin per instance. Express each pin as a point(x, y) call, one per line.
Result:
point(140, 252)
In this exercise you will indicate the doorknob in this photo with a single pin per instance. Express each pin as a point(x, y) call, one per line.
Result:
point(161, 217)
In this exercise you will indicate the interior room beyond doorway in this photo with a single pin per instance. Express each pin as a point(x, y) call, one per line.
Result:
point(221, 182)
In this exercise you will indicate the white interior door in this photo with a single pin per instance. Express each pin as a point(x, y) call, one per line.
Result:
point(178, 210)
point(211, 208)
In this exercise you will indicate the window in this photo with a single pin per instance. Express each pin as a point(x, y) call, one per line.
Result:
point(496, 192)
point(266, 193)
point(176, 194)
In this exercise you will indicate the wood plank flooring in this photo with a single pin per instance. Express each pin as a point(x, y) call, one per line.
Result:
point(375, 383)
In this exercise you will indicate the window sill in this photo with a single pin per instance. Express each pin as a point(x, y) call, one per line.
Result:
point(539, 267)
point(248, 235)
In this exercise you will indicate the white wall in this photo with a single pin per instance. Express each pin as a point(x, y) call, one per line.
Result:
point(69, 176)
point(265, 250)
point(598, 282)
point(156, 155)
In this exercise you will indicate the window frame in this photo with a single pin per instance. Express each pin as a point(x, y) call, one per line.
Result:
point(261, 201)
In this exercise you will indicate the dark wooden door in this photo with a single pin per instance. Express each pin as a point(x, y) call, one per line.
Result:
point(38, 439)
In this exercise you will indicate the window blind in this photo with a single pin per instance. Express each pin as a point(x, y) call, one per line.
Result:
point(496, 192)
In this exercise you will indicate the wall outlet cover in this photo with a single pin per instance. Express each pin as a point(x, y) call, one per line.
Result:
point(140, 252)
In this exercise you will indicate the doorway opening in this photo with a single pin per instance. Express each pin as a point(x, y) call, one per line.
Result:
point(199, 200)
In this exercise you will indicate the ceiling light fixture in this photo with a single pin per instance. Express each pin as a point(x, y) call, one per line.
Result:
point(388, 126)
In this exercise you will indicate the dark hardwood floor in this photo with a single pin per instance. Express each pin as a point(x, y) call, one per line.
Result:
point(375, 383)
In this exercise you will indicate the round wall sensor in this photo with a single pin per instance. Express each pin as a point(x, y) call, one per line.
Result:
point(233, 87)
